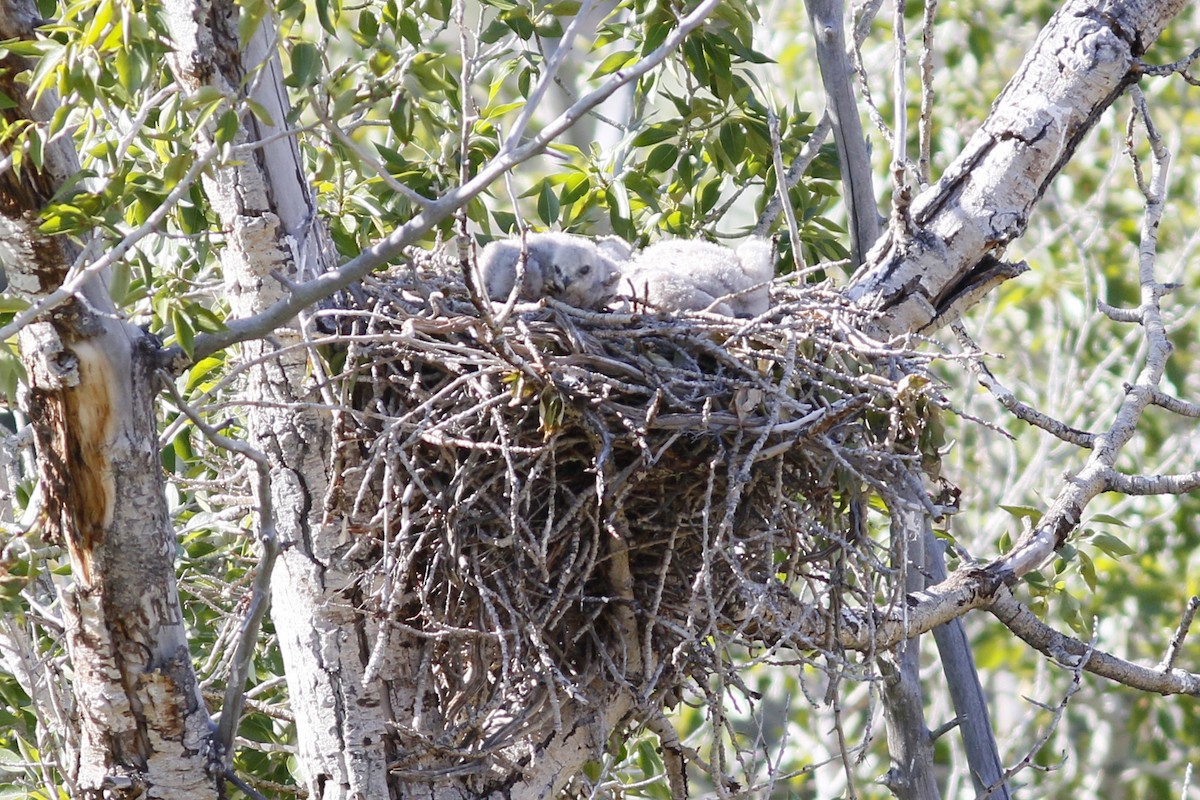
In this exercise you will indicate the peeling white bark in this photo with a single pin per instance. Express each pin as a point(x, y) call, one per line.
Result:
point(1081, 62)
point(141, 727)
point(266, 206)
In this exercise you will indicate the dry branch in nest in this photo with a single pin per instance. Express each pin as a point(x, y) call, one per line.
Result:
point(564, 500)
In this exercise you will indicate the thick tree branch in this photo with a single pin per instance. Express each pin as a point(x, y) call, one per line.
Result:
point(1083, 60)
point(910, 744)
point(1065, 649)
point(142, 728)
point(966, 691)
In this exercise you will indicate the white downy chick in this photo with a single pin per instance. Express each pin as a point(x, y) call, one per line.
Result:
point(692, 275)
point(574, 269)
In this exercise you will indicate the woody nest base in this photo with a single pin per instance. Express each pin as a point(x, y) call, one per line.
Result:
point(559, 504)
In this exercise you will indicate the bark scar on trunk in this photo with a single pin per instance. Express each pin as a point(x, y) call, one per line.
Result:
point(72, 412)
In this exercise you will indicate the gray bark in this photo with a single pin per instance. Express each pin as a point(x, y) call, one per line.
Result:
point(1082, 61)
point(854, 160)
point(139, 726)
point(966, 692)
point(363, 718)
point(267, 208)
point(910, 744)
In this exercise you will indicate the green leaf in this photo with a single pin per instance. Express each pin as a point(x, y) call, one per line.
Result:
point(408, 29)
point(500, 109)
point(743, 52)
point(305, 64)
point(548, 204)
point(656, 34)
point(328, 12)
point(99, 24)
point(710, 194)
point(575, 188)
point(368, 27)
point(1087, 569)
point(185, 334)
point(228, 127)
point(1037, 581)
point(733, 141)
point(250, 20)
point(26, 48)
point(1024, 512)
point(613, 63)
point(494, 32)
point(662, 158)
point(259, 111)
point(204, 319)
point(656, 133)
point(207, 369)
point(1108, 519)
point(120, 279)
point(1111, 544)
point(550, 412)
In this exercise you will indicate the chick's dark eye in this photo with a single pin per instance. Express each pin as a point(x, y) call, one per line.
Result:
point(586, 269)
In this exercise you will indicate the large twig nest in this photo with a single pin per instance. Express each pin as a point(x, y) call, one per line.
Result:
point(558, 499)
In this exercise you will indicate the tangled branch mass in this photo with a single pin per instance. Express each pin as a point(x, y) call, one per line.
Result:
point(603, 496)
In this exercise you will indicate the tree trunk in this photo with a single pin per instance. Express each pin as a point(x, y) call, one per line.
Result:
point(910, 744)
point(267, 207)
point(143, 730)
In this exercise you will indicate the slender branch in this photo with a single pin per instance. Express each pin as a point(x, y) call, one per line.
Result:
point(675, 754)
point(1185, 624)
point(1181, 67)
point(246, 788)
point(966, 691)
point(1065, 649)
point(1080, 663)
point(1152, 484)
point(1006, 398)
point(910, 744)
point(901, 190)
point(1173, 404)
point(1097, 474)
point(781, 188)
point(549, 75)
point(362, 155)
point(235, 687)
point(858, 190)
point(811, 149)
point(925, 125)
point(76, 282)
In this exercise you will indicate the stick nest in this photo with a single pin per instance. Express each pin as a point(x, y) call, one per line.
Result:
point(559, 502)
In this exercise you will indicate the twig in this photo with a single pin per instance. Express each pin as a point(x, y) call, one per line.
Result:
point(1065, 649)
point(811, 149)
point(781, 189)
point(80, 278)
point(1005, 397)
point(1182, 67)
point(239, 669)
point(1185, 624)
point(925, 126)
point(1058, 711)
